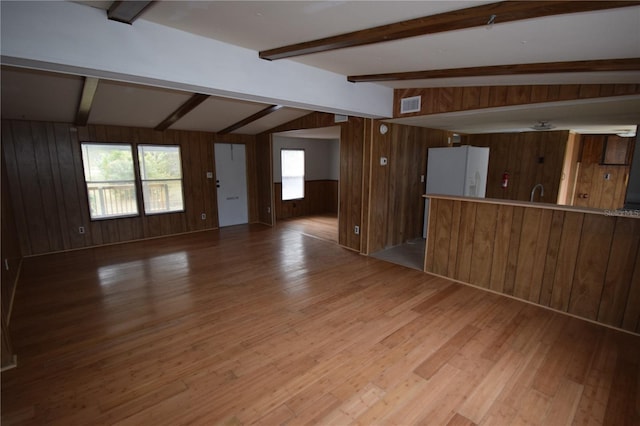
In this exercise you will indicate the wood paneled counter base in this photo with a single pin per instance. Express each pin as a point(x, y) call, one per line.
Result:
point(585, 262)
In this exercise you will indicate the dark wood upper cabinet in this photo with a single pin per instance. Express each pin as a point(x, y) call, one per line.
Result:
point(592, 149)
point(606, 150)
point(617, 150)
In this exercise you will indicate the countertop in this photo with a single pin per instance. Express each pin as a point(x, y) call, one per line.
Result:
point(546, 206)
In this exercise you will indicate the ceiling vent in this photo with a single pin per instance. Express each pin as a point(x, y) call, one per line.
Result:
point(339, 118)
point(412, 104)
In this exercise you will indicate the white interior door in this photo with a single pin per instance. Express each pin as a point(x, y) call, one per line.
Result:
point(231, 180)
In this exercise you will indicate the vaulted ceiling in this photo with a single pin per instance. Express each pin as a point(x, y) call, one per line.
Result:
point(492, 34)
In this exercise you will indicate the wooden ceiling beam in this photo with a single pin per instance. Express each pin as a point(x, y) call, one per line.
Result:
point(258, 115)
point(494, 13)
point(195, 100)
point(89, 89)
point(600, 65)
point(127, 11)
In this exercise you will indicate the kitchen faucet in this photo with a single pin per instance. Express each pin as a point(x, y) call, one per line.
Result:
point(533, 191)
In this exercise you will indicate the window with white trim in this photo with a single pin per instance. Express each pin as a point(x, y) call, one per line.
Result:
point(110, 178)
point(161, 178)
point(292, 165)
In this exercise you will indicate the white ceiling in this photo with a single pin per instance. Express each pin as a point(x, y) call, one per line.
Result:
point(261, 25)
point(39, 95)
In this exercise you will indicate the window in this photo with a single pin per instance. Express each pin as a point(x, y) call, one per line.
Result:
point(110, 178)
point(161, 177)
point(292, 165)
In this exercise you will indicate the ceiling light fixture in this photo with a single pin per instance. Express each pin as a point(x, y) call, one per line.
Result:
point(543, 125)
point(626, 133)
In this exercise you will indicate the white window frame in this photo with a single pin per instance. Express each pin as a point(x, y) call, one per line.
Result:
point(146, 197)
point(96, 188)
point(284, 174)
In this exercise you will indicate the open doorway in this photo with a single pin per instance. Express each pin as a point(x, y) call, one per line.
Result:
point(306, 174)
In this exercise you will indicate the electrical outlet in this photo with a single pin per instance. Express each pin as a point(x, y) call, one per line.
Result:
point(80, 229)
point(356, 230)
point(203, 216)
point(269, 209)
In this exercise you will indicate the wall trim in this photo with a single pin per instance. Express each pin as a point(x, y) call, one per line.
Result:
point(124, 242)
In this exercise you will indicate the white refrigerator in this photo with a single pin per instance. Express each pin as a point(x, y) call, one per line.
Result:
point(456, 171)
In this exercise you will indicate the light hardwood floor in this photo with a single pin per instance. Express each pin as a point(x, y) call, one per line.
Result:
point(323, 226)
point(251, 324)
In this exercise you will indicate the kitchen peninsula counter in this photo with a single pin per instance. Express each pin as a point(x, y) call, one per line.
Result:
point(582, 261)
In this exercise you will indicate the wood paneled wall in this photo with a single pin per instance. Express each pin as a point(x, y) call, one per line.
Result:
point(264, 175)
point(320, 196)
point(6, 353)
point(11, 254)
point(529, 157)
point(395, 204)
point(351, 175)
point(594, 190)
point(11, 262)
point(49, 196)
point(448, 99)
point(586, 264)
point(252, 171)
point(351, 171)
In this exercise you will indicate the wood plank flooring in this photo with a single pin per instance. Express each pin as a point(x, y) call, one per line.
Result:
point(258, 325)
point(323, 226)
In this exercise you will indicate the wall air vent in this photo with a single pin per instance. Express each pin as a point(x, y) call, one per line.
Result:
point(411, 104)
point(339, 118)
